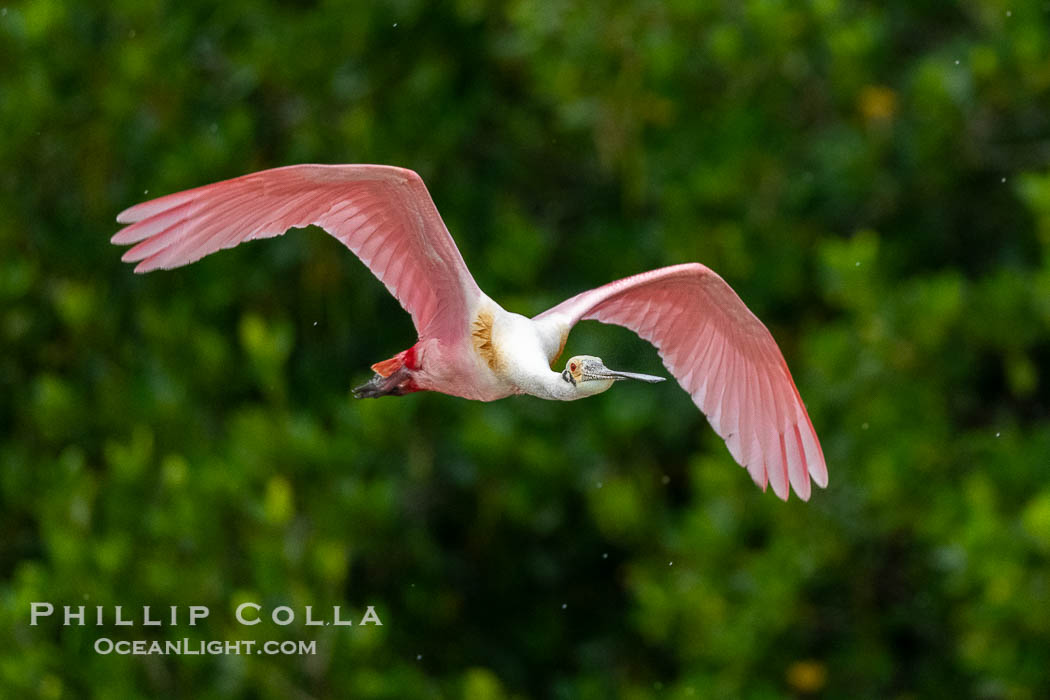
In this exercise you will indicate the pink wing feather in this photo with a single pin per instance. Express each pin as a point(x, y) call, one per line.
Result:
point(383, 214)
point(725, 358)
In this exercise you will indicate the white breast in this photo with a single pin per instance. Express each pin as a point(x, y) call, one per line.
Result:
point(522, 350)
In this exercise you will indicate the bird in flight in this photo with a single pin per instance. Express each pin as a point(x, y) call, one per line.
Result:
point(468, 345)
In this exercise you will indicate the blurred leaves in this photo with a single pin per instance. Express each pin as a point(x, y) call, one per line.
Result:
point(874, 180)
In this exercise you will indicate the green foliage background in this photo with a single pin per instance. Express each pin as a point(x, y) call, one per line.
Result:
point(873, 178)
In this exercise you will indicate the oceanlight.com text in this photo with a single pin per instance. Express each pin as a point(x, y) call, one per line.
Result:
point(196, 647)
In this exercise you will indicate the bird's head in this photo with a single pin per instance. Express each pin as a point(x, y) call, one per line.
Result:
point(589, 375)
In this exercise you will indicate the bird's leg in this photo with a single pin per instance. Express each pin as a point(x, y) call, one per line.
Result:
point(398, 383)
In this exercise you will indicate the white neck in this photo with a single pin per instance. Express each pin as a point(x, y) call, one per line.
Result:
point(549, 385)
point(527, 349)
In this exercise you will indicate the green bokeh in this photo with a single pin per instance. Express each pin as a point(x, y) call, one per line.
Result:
point(873, 179)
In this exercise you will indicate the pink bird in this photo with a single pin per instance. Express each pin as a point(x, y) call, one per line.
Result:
point(468, 345)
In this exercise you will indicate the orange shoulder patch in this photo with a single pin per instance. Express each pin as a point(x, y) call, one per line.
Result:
point(481, 335)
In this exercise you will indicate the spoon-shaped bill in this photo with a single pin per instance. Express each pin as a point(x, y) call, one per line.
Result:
point(603, 372)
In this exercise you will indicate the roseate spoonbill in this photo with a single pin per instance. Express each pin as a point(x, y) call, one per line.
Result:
point(468, 344)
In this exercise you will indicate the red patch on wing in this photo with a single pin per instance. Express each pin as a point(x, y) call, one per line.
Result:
point(410, 359)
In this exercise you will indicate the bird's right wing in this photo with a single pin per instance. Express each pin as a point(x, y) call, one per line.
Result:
point(383, 214)
point(724, 357)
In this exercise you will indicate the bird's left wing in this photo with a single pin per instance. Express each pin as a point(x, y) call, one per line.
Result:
point(382, 213)
point(724, 357)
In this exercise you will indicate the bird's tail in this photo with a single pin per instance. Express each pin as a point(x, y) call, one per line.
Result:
point(405, 358)
point(388, 367)
point(393, 377)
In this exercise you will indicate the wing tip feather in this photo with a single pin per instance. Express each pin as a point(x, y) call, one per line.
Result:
point(819, 472)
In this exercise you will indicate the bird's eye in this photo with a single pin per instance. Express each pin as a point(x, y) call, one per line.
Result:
point(572, 367)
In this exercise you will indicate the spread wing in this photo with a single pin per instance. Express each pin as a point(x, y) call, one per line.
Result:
point(724, 357)
point(381, 213)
